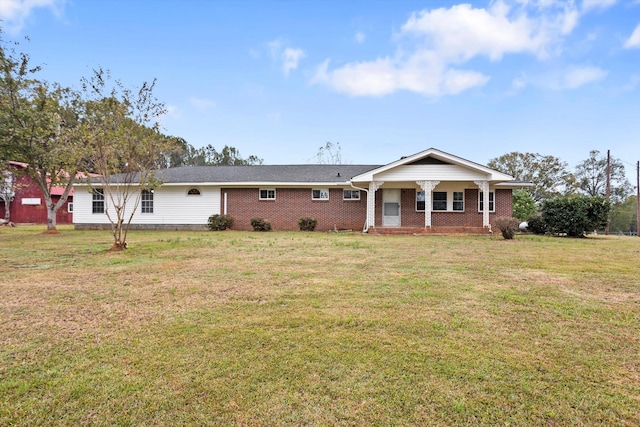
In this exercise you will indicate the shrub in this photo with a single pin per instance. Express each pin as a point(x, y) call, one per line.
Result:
point(536, 225)
point(575, 216)
point(259, 224)
point(307, 224)
point(220, 222)
point(507, 226)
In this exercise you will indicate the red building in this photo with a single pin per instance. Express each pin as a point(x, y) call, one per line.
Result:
point(26, 202)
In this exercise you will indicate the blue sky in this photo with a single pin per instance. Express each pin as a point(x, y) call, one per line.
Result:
point(278, 79)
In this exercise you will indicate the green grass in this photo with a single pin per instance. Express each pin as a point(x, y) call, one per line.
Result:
point(241, 328)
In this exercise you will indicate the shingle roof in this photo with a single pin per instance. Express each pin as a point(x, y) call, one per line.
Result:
point(262, 173)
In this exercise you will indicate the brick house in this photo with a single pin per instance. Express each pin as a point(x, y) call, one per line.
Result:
point(428, 191)
point(24, 199)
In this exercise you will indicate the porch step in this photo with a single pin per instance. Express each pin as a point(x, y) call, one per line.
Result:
point(431, 231)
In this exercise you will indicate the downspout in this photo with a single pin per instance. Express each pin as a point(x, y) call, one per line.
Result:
point(366, 221)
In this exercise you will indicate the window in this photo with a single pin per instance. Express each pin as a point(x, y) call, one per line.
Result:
point(147, 201)
point(267, 194)
point(70, 207)
point(458, 201)
point(492, 207)
point(439, 200)
point(193, 192)
point(322, 194)
point(419, 200)
point(97, 203)
point(351, 194)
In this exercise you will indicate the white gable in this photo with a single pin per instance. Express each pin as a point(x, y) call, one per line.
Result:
point(432, 164)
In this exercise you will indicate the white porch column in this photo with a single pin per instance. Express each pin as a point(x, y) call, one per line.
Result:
point(484, 188)
point(371, 202)
point(427, 187)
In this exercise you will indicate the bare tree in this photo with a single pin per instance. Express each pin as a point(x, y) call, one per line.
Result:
point(330, 153)
point(121, 129)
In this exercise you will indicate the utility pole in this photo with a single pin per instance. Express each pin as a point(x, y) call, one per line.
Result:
point(606, 230)
point(638, 198)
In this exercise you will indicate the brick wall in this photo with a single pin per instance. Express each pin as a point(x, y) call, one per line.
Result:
point(469, 218)
point(291, 204)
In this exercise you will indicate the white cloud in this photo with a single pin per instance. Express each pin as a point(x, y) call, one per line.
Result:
point(288, 57)
point(275, 48)
point(421, 74)
point(580, 76)
point(633, 42)
point(360, 37)
point(201, 103)
point(597, 4)
point(517, 85)
point(463, 32)
point(433, 44)
point(633, 83)
point(14, 13)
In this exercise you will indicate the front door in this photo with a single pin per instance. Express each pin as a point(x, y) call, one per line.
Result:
point(391, 208)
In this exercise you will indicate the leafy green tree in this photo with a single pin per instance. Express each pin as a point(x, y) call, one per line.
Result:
point(591, 176)
point(174, 154)
point(230, 156)
point(181, 153)
point(120, 126)
point(37, 126)
point(524, 206)
point(549, 174)
point(575, 215)
point(624, 217)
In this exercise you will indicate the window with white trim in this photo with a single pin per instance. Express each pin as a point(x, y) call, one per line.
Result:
point(146, 204)
point(320, 194)
point(193, 192)
point(267, 194)
point(70, 207)
point(420, 200)
point(97, 201)
point(458, 200)
point(492, 205)
point(439, 200)
point(351, 194)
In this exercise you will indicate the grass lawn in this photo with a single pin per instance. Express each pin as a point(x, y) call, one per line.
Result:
point(244, 328)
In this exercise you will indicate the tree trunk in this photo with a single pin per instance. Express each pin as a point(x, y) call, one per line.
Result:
point(7, 209)
point(51, 218)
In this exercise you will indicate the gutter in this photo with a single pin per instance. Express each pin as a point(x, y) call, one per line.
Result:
point(366, 221)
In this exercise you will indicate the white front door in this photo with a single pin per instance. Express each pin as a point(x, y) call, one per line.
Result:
point(391, 208)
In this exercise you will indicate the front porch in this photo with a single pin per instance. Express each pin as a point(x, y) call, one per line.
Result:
point(431, 231)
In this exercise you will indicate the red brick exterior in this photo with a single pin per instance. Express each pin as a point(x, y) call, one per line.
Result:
point(291, 204)
point(470, 217)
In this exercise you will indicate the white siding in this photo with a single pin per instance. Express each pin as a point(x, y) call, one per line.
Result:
point(171, 205)
point(430, 172)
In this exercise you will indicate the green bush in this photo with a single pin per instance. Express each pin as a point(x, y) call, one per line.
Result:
point(220, 222)
point(523, 205)
point(536, 225)
point(575, 216)
point(507, 226)
point(307, 224)
point(259, 224)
